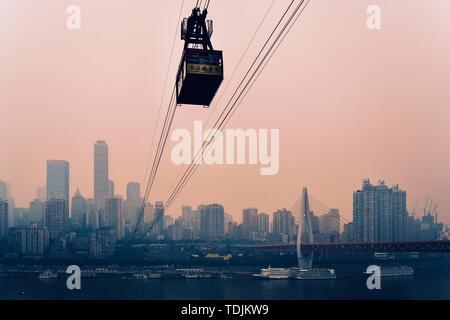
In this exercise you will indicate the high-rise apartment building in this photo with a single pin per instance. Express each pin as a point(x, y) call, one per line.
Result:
point(56, 217)
point(212, 222)
point(114, 216)
point(37, 212)
point(58, 181)
point(379, 213)
point(283, 225)
point(249, 221)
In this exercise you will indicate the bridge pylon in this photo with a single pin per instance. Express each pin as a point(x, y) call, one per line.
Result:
point(304, 233)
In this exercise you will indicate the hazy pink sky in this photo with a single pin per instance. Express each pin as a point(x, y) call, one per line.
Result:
point(351, 103)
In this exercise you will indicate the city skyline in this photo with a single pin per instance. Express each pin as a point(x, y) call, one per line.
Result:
point(131, 189)
point(386, 120)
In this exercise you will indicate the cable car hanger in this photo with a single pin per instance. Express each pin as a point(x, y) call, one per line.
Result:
point(197, 30)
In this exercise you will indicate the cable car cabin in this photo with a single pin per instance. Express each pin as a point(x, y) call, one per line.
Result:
point(199, 77)
point(201, 69)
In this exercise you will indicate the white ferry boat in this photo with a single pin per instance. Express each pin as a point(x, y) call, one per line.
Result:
point(48, 274)
point(275, 273)
point(316, 274)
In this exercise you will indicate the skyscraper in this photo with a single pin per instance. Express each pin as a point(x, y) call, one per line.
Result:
point(93, 214)
point(114, 217)
point(3, 218)
point(79, 211)
point(111, 191)
point(159, 217)
point(379, 213)
point(133, 190)
point(399, 214)
point(58, 180)
point(212, 222)
point(283, 224)
point(56, 217)
point(3, 191)
point(226, 221)
point(263, 223)
point(37, 212)
point(41, 193)
point(132, 205)
point(168, 221)
point(188, 217)
point(149, 213)
point(101, 176)
point(330, 222)
point(102, 243)
point(34, 240)
point(249, 221)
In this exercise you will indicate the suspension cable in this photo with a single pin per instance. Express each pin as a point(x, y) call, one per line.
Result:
point(153, 173)
point(237, 102)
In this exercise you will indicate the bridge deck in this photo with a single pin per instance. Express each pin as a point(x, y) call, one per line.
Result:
point(415, 246)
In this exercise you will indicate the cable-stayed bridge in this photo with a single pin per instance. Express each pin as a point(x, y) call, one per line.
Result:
point(307, 208)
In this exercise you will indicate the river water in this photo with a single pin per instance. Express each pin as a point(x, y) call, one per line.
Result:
point(421, 286)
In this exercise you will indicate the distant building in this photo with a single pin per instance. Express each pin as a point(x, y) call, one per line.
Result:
point(149, 213)
point(58, 181)
point(283, 225)
point(348, 235)
point(186, 214)
point(33, 241)
point(330, 222)
point(249, 221)
point(102, 243)
point(114, 217)
point(3, 218)
point(79, 211)
point(263, 223)
point(168, 221)
point(212, 222)
point(379, 213)
point(101, 176)
point(3, 191)
point(21, 217)
point(131, 211)
point(159, 219)
point(428, 228)
point(93, 214)
point(176, 232)
point(56, 217)
point(133, 190)
point(226, 221)
point(37, 212)
point(232, 230)
point(111, 191)
point(191, 219)
point(41, 193)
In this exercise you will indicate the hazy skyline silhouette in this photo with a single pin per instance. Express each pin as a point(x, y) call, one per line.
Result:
point(350, 103)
